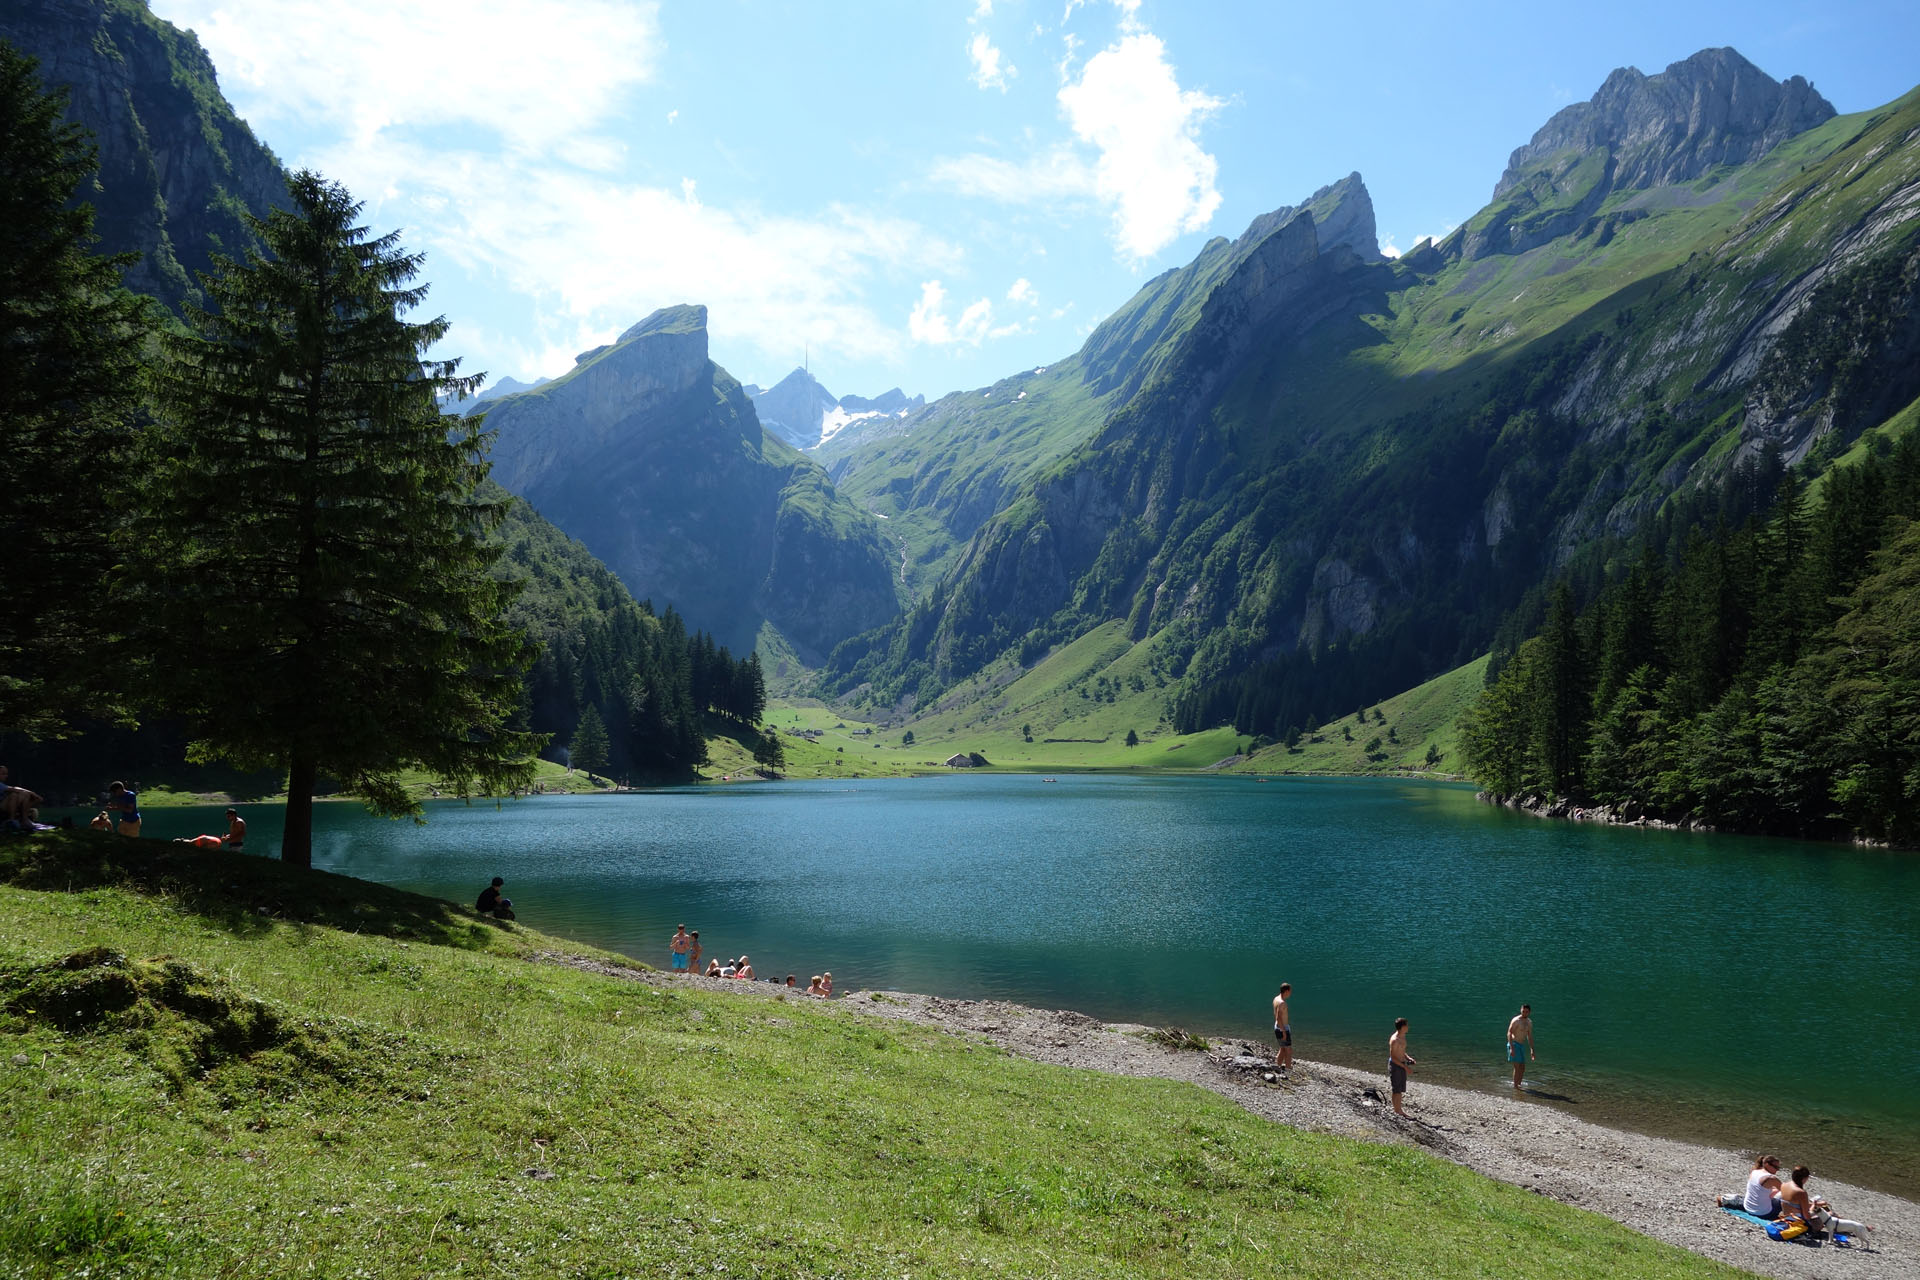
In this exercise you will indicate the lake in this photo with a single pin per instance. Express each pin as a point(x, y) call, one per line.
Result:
point(1752, 992)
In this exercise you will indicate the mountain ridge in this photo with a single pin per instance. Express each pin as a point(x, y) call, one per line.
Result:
point(1390, 454)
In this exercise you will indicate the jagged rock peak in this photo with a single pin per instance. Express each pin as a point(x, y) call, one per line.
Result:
point(1342, 215)
point(1711, 109)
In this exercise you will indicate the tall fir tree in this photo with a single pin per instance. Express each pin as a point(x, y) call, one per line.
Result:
point(590, 747)
point(318, 594)
point(71, 341)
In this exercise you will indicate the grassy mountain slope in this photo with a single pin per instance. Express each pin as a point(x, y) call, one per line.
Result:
point(223, 1067)
point(1346, 455)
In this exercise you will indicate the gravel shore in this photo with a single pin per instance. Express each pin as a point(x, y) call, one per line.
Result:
point(1659, 1187)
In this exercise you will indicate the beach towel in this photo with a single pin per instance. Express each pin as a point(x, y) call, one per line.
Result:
point(1763, 1223)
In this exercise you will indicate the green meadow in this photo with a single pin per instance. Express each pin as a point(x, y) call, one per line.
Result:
point(219, 1066)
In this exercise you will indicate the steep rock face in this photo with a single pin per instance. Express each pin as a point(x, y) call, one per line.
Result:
point(1714, 108)
point(1120, 355)
point(177, 167)
point(1091, 535)
point(651, 455)
point(608, 388)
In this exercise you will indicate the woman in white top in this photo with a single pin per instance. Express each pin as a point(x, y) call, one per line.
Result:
point(1763, 1188)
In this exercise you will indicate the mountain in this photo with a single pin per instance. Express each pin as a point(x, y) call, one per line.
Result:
point(804, 414)
point(939, 473)
point(178, 169)
point(1297, 472)
point(652, 455)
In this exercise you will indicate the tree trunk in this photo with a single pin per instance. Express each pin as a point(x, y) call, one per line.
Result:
point(296, 845)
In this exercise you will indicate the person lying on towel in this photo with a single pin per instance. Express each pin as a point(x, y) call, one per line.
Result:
point(235, 838)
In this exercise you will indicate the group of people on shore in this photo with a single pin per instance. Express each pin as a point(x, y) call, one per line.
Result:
point(1520, 1049)
point(20, 809)
point(1772, 1198)
point(683, 956)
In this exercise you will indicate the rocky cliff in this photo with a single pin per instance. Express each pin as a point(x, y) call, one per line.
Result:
point(1714, 108)
point(652, 456)
point(178, 170)
point(1712, 111)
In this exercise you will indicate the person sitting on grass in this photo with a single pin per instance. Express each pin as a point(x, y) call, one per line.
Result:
point(489, 899)
point(826, 983)
point(505, 910)
point(17, 803)
point(743, 970)
point(235, 838)
point(815, 990)
point(124, 805)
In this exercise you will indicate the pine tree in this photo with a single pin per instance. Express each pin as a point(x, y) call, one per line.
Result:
point(70, 341)
point(1561, 703)
point(590, 747)
point(319, 596)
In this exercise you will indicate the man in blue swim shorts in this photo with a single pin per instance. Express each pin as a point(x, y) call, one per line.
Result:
point(1520, 1042)
point(679, 948)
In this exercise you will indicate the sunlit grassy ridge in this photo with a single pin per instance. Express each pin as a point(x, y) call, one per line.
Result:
point(219, 1066)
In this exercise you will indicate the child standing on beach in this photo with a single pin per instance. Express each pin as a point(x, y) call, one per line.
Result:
point(1399, 1062)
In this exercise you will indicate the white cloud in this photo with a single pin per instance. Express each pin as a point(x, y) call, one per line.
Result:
point(1152, 170)
point(1147, 165)
point(1043, 179)
point(532, 191)
point(990, 70)
point(929, 322)
point(673, 115)
point(1022, 290)
point(536, 73)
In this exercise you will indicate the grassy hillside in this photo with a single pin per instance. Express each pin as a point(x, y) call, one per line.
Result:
point(223, 1067)
point(1408, 725)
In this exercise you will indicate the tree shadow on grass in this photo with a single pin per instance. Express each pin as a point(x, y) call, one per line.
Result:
point(236, 892)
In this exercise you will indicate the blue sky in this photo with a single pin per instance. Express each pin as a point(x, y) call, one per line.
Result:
point(923, 193)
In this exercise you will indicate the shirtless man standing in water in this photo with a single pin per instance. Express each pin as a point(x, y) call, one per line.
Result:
point(1283, 1029)
point(1520, 1043)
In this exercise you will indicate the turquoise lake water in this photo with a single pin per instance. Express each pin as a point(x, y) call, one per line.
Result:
point(1751, 992)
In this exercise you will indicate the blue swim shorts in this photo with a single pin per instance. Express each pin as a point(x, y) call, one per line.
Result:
point(679, 959)
point(1516, 1051)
